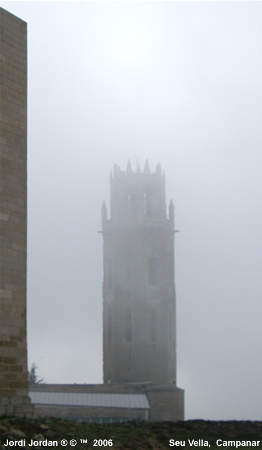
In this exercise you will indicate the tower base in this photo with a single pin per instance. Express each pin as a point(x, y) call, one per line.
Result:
point(16, 406)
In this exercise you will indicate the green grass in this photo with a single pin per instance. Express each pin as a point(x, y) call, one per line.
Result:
point(130, 435)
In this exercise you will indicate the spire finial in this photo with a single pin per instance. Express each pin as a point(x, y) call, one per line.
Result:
point(115, 169)
point(146, 170)
point(158, 169)
point(129, 168)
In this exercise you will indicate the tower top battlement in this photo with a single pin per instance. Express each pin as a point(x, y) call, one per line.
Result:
point(129, 171)
point(136, 196)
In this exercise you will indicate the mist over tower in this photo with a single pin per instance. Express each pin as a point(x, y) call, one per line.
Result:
point(139, 336)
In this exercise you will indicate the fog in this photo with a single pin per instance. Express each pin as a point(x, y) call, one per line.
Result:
point(172, 82)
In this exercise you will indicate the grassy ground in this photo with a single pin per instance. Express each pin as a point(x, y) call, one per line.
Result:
point(45, 433)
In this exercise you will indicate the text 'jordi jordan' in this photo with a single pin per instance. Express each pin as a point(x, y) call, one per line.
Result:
point(22, 443)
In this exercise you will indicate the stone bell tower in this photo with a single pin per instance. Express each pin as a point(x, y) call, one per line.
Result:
point(139, 335)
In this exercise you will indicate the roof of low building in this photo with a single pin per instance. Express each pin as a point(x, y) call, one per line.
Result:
point(138, 401)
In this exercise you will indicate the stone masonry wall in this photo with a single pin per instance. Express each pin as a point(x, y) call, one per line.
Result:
point(13, 215)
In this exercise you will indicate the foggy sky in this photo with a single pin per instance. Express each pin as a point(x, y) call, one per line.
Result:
point(177, 83)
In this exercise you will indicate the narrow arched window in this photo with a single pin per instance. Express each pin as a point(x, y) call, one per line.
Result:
point(127, 265)
point(109, 328)
point(147, 200)
point(128, 330)
point(153, 270)
point(130, 200)
point(153, 325)
point(170, 326)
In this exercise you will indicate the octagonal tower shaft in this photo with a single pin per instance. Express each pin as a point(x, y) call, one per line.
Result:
point(139, 336)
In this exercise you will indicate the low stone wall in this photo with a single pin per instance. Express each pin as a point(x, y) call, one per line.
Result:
point(82, 412)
